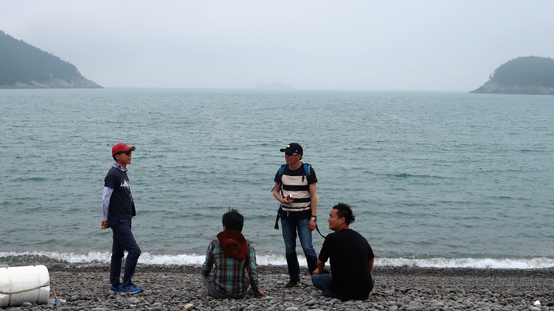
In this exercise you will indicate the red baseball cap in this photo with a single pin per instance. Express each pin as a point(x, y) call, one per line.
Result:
point(120, 147)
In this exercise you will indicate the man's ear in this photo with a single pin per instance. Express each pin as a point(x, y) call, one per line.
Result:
point(224, 228)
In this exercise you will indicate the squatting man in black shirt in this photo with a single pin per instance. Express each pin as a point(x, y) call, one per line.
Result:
point(351, 259)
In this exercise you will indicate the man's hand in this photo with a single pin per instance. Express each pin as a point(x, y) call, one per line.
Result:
point(262, 293)
point(105, 224)
point(316, 271)
point(286, 200)
point(312, 225)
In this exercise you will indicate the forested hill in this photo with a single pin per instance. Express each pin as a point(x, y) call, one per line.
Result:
point(523, 75)
point(25, 66)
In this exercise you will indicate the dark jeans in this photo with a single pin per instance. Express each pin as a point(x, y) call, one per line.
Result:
point(290, 227)
point(322, 281)
point(123, 240)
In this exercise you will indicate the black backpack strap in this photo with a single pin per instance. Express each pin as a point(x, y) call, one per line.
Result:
point(277, 218)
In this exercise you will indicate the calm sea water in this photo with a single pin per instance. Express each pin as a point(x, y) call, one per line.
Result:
point(435, 179)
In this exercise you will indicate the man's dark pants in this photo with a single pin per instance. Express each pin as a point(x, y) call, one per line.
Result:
point(123, 240)
point(290, 228)
point(322, 281)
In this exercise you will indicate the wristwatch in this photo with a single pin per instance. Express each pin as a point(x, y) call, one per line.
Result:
point(314, 218)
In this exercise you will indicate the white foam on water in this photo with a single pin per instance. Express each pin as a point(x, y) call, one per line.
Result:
point(279, 260)
point(481, 263)
point(181, 259)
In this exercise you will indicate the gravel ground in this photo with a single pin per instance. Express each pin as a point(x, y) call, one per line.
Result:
point(397, 288)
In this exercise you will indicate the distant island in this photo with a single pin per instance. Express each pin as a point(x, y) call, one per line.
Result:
point(25, 66)
point(273, 86)
point(522, 75)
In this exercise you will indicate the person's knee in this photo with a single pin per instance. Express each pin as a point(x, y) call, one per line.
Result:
point(318, 281)
point(314, 279)
point(290, 248)
point(289, 239)
point(135, 252)
point(290, 253)
point(118, 254)
point(309, 250)
point(206, 279)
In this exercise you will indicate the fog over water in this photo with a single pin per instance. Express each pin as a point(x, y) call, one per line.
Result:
point(324, 45)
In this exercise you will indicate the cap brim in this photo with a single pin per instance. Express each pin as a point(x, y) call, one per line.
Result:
point(129, 148)
point(283, 150)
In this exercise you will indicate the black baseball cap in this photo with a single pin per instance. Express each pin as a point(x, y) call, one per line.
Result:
point(293, 148)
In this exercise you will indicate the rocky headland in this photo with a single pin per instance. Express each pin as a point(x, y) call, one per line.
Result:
point(25, 66)
point(523, 75)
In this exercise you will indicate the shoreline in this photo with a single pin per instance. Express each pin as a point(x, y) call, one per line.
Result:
point(397, 288)
point(273, 269)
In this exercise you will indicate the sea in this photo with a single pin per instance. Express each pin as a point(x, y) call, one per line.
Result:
point(435, 179)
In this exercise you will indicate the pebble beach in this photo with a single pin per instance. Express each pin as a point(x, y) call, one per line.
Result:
point(397, 288)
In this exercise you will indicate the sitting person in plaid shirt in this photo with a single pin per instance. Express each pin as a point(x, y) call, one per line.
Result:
point(232, 256)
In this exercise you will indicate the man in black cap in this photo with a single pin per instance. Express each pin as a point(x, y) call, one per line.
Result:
point(295, 189)
point(118, 208)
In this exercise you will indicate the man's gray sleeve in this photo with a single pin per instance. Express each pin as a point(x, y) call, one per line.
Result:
point(106, 202)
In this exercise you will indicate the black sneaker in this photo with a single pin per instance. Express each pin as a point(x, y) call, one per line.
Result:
point(292, 282)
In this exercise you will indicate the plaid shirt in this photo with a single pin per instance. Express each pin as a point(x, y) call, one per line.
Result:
point(229, 274)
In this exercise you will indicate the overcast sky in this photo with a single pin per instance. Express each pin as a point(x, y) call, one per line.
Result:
point(337, 45)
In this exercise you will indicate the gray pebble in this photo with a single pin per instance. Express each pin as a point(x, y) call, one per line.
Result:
point(311, 302)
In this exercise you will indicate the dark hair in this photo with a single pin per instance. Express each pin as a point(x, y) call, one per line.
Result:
point(233, 220)
point(113, 156)
point(344, 210)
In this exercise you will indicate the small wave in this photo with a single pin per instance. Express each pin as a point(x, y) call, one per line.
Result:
point(29, 179)
point(272, 259)
point(408, 175)
point(53, 257)
point(481, 263)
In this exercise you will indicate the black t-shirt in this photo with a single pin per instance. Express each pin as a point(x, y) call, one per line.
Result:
point(349, 253)
point(121, 201)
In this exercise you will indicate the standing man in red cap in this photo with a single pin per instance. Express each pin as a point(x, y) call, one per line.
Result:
point(118, 208)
